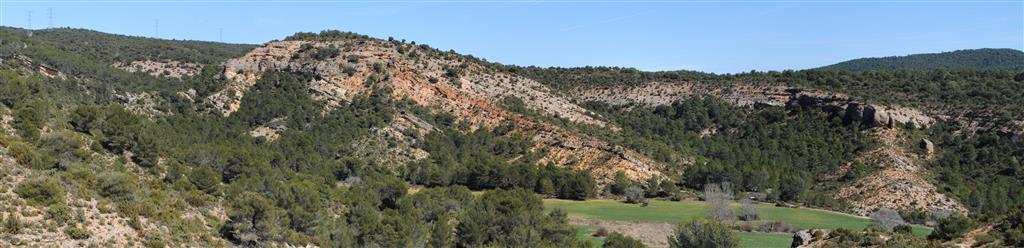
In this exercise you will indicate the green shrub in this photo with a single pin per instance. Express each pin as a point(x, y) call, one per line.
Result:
point(12, 225)
point(117, 186)
point(145, 152)
point(703, 234)
point(154, 241)
point(41, 191)
point(76, 232)
point(199, 199)
point(63, 144)
point(28, 119)
point(29, 156)
point(635, 195)
point(59, 213)
point(1011, 228)
point(205, 179)
point(617, 240)
point(253, 218)
point(620, 183)
point(845, 237)
point(905, 229)
point(951, 227)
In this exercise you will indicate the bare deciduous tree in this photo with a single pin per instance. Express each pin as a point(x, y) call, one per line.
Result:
point(885, 219)
point(718, 197)
point(748, 211)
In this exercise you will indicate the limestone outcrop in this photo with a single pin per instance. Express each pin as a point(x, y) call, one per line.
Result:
point(444, 82)
point(659, 93)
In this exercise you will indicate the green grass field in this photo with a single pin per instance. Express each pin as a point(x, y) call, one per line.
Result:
point(669, 211)
point(583, 232)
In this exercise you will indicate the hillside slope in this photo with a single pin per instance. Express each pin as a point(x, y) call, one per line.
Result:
point(445, 81)
point(112, 140)
point(934, 105)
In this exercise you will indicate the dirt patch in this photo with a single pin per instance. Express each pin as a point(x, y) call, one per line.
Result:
point(653, 234)
point(970, 238)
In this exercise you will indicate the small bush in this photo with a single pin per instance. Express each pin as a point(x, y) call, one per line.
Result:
point(12, 225)
point(154, 241)
point(904, 229)
point(64, 145)
point(198, 199)
point(748, 211)
point(617, 240)
point(635, 195)
point(870, 241)
point(205, 179)
point(703, 234)
point(818, 234)
point(348, 70)
point(843, 235)
point(41, 191)
point(601, 232)
point(117, 186)
point(76, 232)
point(135, 223)
point(326, 53)
point(29, 156)
point(776, 226)
point(59, 213)
point(951, 227)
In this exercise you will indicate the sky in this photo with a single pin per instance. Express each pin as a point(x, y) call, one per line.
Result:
point(714, 36)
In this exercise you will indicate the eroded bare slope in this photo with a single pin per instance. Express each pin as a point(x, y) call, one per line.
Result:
point(425, 76)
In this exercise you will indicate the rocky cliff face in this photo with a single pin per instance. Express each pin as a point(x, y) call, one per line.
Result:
point(657, 93)
point(443, 81)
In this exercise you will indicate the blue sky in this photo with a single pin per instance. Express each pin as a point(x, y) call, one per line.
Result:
point(713, 36)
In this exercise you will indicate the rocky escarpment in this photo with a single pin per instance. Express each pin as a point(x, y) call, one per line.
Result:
point(445, 82)
point(26, 62)
point(658, 93)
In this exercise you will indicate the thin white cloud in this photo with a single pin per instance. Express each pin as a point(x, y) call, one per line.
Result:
point(605, 21)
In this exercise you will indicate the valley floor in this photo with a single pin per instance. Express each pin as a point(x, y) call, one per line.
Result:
point(652, 224)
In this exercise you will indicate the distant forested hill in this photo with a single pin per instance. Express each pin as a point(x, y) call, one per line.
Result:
point(110, 48)
point(986, 58)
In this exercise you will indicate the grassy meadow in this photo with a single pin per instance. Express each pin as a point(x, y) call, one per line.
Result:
point(670, 211)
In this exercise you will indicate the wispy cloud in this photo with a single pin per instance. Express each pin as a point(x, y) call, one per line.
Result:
point(605, 21)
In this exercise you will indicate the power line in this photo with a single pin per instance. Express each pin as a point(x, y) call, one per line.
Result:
point(29, 19)
point(156, 28)
point(51, 18)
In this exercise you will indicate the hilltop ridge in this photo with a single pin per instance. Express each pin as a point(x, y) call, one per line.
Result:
point(984, 58)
